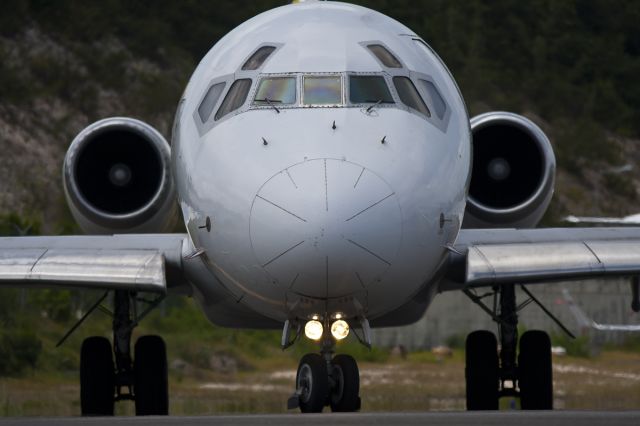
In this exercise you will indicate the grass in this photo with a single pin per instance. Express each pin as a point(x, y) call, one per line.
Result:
point(422, 381)
point(221, 371)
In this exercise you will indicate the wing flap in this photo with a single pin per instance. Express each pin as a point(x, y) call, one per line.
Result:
point(619, 256)
point(135, 263)
point(493, 264)
point(490, 257)
point(17, 265)
point(141, 270)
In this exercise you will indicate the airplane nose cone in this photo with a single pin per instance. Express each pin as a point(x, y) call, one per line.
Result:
point(325, 228)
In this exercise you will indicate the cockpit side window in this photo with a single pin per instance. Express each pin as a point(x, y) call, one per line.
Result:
point(235, 98)
point(322, 90)
point(368, 89)
point(409, 95)
point(209, 101)
point(435, 99)
point(278, 90)
point(384, 56)
point(256, 60)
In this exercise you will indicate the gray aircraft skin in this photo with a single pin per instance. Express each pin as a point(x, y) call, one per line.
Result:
point(322, 160)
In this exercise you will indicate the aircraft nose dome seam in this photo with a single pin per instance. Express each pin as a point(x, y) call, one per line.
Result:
point(321, 213)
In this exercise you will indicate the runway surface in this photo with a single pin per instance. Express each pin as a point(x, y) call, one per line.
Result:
point(552, 418)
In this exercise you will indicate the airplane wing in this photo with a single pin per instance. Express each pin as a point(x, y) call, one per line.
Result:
point(487, 257)
point(146, 262)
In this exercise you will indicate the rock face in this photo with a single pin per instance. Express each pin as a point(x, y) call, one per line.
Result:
point(51, 90)
point(52, 86)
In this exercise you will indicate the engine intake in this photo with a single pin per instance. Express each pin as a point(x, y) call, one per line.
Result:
point(513, 174)
point(117, 178)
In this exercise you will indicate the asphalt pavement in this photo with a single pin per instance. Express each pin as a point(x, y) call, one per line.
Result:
point(508, 418)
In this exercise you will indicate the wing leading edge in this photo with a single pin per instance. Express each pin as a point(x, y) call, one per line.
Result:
point(498, 256)
point(150, 263)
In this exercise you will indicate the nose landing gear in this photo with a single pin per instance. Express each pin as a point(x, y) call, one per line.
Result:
point(327, 380)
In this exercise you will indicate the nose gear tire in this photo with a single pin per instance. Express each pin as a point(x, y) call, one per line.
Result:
point(312, 381)
point(345, 397)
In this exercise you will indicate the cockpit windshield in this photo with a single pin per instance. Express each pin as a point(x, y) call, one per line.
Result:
point(393, 87)
point(368, 89)
point(280, 90)
point(322, 90)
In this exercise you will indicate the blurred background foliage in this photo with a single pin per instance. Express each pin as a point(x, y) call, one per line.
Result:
point(562, 59)
point(573, 65)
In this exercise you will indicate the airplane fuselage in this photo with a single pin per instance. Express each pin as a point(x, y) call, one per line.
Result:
point(308, 207)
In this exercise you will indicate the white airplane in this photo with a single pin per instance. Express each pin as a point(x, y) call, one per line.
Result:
point(322, 160)
point(631, 220)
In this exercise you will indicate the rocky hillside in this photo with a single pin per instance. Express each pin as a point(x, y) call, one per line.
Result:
point(55, 89)
point(571, 66)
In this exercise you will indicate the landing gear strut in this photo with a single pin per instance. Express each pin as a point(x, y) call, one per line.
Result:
point(491, 375)
point(327, 380)
point(144, 380)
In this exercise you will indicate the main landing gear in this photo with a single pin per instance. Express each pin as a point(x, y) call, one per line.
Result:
point(327, 380)
point(491, 374)
point(142, 379)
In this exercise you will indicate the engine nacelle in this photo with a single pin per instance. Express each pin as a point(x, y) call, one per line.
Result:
point(513, 174)
point(117, 178)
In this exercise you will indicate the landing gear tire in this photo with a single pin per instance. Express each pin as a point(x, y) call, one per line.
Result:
point(97, 377)
point(151, 383)
point(312, 380)
point(345, 396)
point(481, 371)
point(535, 371)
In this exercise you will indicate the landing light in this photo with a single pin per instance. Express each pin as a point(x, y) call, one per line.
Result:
point(313, 330)
point(340, 329)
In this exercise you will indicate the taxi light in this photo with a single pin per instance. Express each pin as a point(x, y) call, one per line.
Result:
point(340, 329)
point(313, 330)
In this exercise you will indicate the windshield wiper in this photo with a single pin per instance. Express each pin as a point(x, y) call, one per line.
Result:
point(378, 102)
point(270, 102)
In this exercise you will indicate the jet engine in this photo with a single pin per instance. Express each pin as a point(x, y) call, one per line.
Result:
point(513, 173)
point(117, 178)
